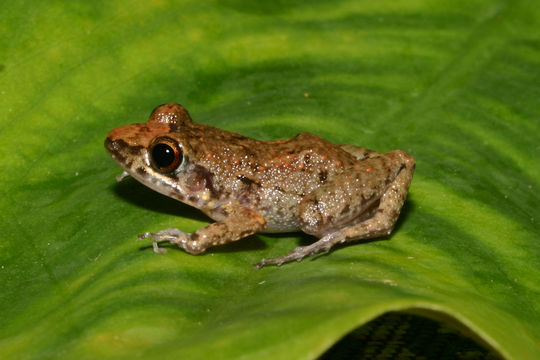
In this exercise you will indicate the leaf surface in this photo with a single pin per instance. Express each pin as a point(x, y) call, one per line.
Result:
point(456, 85)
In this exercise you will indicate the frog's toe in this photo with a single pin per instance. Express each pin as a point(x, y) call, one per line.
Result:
point(297, 254)
point(157, 249)
point(276, 261)
point(261, 263)
point(293, 255)
point(172, 235)
point(122, 176)
point(143, 236)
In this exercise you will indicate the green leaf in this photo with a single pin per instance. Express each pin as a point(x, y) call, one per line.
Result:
point(457, 84)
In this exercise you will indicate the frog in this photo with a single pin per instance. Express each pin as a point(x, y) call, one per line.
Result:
point(336, 193)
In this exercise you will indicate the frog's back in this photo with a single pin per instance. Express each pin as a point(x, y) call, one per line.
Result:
point(272, 177)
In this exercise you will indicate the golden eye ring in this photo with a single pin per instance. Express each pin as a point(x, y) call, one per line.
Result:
point(165, 154)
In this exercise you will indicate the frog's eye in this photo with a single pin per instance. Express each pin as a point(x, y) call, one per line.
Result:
point(165, 154)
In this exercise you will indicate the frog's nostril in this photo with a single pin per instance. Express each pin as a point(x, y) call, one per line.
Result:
point(115, 146)
point(108, 143)
point(116, 149)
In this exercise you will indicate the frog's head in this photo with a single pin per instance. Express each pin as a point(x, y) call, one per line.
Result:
point(155, 154)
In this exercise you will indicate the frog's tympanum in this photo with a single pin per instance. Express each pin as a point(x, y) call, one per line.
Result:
point(337, 193)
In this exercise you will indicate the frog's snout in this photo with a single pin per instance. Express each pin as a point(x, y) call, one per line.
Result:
point(124, 142)
point(119, 149)
point(116, 148)
point(113, 143)
point(108, 144)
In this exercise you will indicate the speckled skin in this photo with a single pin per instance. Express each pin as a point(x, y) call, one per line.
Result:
point(337, 193)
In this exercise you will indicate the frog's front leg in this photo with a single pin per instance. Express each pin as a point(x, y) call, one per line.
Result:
point(371, 219)
point(239, 223)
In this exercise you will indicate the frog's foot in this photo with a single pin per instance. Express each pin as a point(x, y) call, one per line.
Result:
point(172, 235)
point(323, 245)
point(122, 176)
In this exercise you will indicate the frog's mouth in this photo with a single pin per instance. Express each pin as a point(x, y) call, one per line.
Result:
point(129, 157)
point(133, 160)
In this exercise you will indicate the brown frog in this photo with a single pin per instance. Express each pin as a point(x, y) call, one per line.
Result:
point(338, 193)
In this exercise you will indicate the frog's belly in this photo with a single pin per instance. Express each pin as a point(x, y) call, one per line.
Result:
point(280, 226)
point(280, 216)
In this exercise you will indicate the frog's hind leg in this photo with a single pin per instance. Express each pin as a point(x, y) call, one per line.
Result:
point(379, 224)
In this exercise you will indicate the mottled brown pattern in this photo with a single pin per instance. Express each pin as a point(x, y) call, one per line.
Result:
point(302, 183)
